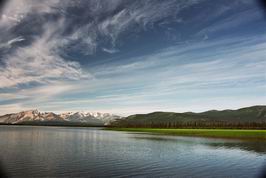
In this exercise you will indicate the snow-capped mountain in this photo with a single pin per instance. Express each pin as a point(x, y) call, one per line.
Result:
point(70, 117)
point(96, 117)
point(30, 115)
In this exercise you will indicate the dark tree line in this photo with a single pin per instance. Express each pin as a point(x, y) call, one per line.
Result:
point(195, 124)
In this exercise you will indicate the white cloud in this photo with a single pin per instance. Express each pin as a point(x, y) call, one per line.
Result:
point(141, 13)
point(111, 51)
point(233, 21)
point(39, 62)
point(15, 11)
point(175, 87)
point(44, 93)
point(18, 39)
point(130, 86)
point(12, 108)
point(9, 43)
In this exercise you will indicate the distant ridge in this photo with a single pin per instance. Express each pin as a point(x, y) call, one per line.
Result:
point(248, 117)
point(34, 117)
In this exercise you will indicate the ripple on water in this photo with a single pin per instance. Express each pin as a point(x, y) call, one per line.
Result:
point(75, 152)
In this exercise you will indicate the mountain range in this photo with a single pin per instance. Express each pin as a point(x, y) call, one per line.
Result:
point(49, 118)
point(249, 117)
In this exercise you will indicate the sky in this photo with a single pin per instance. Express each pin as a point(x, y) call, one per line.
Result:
point(127, 57)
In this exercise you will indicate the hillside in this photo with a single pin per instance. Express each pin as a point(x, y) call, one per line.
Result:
point(249, 117)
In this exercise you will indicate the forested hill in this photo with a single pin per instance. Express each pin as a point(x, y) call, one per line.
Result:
point(249, 117)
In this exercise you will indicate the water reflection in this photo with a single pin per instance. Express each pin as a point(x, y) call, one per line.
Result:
point(255, 146)
point(83, 152)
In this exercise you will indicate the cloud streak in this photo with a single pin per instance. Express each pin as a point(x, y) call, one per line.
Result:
point(38, 62)
point(41, 59)
point(57, 55)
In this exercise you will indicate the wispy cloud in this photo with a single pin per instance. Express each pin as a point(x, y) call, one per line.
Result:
point(9, 43)
point(233, 21)
point(173, 84)
point(38, 62)
point(18, 39)
point(111, 51)
point(41, 60)
point(47, 49)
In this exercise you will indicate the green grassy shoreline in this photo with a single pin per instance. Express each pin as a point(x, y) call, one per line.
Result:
point(217, 133)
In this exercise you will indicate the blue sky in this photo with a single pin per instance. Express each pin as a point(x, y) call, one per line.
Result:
point(127, 57)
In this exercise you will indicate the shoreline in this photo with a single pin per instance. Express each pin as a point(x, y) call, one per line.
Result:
point(211, 133)
point(246, 134)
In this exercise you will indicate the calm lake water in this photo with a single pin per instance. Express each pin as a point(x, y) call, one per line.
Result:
point(27, 151)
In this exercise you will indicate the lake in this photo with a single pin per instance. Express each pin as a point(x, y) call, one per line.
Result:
point(29, 151)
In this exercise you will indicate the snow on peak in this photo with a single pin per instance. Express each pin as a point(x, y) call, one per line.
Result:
point(84, 117)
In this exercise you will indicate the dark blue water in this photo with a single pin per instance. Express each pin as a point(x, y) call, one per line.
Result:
point(27, 151)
